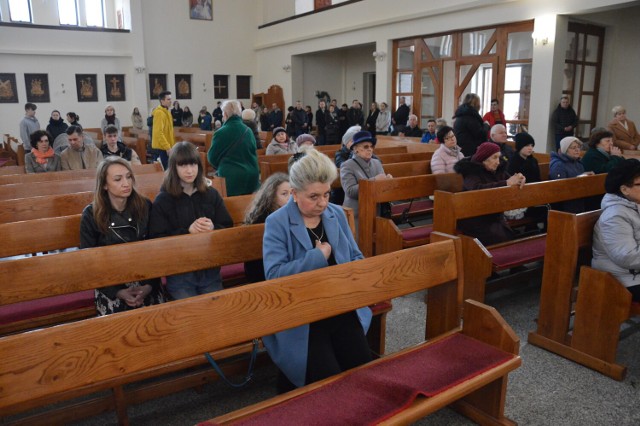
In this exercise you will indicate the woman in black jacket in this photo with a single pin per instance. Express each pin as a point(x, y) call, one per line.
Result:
point(186, 204)
point(118, 214)
point(468, 126)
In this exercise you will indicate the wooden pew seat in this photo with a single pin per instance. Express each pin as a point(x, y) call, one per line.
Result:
point(452, 207)
point(401, 380)
point(506, 256)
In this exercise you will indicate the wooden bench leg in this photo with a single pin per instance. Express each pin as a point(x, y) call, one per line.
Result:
point(121, 406)
point(486, 405)
point(377, 333)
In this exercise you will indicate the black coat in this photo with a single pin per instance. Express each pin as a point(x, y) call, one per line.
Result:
point(469, 129)
point(355, 117)
point(174, 215)
point(401, 116)
point(492, 228)
point(527, 166)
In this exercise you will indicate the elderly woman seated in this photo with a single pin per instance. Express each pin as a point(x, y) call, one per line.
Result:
point(484, 170)
point(625, 134)
point(616, 236)
point(361, 166)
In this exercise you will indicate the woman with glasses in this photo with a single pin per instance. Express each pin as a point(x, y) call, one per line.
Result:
point(361, 165)
point(566, 163)
point(118, 214)
point(448, 154)
point(306, 234)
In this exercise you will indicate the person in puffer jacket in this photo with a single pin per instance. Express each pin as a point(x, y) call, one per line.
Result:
point(616, 236)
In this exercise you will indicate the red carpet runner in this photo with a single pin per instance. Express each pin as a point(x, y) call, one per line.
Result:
point(371, 395)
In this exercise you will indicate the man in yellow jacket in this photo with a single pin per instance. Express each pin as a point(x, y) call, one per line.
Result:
point(162, 137)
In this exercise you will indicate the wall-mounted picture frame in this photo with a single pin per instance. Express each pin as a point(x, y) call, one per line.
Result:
point(201, 10)
point(115, 87)
point(8, 89)
point(220, 86)
point(157, 84)
point(37, 86)
point(183, 86)
point(87, 87)
point(243, 86)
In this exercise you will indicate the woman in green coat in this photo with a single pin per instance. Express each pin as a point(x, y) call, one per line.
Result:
point(233, 152)
point(602, 156)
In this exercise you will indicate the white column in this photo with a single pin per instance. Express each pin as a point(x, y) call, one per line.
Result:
point(550, 41)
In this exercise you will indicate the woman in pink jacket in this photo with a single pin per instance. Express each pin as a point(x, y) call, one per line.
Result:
point(448, 154)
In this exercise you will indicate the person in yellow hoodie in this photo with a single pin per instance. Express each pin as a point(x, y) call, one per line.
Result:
point(162, 137)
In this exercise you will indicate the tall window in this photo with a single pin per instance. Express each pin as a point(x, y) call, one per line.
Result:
point(582, 70)
point(435, 72)
point(20, 10)
point(68, 12)
point(94, 11)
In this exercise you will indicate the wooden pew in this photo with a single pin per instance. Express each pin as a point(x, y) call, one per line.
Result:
point(187, 253)
point(451, 207)
point(12, 170)
point(602, 302)
point(36, 189)
point(71, 175)
point(21, 209)
point(166, 334)
point(371, 193)
point(63, 232)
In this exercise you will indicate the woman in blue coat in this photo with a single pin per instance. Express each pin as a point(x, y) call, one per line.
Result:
point(309, 233)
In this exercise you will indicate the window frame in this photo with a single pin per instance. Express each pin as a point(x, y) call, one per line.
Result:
point(86, 16)
point(77, 15)
point(29, 8)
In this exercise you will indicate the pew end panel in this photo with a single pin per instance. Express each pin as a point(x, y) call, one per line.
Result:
point(602, 303)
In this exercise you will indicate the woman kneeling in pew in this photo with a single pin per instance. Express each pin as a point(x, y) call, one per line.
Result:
point(187, 204)
point(616, 236)
point(118, 215)
point(484, 170)
point(309, 233)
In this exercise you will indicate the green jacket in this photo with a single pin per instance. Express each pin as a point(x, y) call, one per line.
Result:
point(598, 162)
point(233, 155)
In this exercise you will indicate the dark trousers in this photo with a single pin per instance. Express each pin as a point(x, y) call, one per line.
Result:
point(335, 344)
point(164, 158)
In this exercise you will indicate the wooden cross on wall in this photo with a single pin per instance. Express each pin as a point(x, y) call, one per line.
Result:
point(221, 86)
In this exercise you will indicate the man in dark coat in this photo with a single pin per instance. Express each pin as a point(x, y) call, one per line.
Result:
point(401, 116)
point(468, 126)
point(299, 118)
point(275, 117)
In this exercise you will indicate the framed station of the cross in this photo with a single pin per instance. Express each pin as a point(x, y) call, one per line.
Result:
point(220, 86)
point(115, 87)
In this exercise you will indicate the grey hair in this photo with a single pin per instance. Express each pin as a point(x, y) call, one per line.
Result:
point(248, 114)
point(495, 128)
point(231, 108)
point(313, 167)
point(618, 109)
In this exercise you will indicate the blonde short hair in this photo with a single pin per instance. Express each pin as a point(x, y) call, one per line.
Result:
point(312, 167)
point(618, 109)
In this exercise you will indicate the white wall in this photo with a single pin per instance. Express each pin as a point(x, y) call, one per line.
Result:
point(201, 48)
